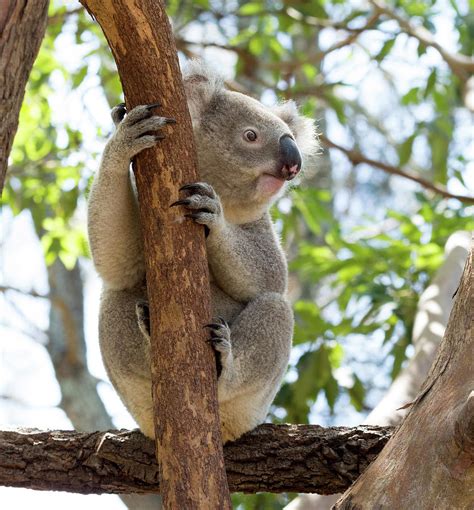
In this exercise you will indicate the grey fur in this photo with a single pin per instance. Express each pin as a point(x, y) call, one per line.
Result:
point(247, 266)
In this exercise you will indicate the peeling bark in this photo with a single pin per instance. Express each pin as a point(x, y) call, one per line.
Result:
point(274, 458)
point(22, 27)
point(429, 461)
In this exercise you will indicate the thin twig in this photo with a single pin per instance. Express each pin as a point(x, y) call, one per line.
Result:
point(357, 158)
point(461, 65)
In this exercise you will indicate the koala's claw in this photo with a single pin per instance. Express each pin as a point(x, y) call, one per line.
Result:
point(118, 113)
point(220, 341)
point(203, 203)
point(200, 187)
point(137, 130)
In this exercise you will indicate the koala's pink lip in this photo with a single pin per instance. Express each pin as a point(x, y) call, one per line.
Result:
point(270, 184)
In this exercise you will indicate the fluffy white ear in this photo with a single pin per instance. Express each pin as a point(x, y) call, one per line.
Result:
point(302, 127)
point(201, 84)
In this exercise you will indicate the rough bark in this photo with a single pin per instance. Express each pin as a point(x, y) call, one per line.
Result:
point(434, 307)
point(429, 461)
point(183, 366)
point(22, 27)
point(275, 458)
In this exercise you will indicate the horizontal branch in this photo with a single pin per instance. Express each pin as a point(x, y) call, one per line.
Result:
point(357, 158)
point(271, 458)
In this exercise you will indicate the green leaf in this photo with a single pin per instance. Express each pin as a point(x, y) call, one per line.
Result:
point(250, 9)
point(357, 394)
point(385, 50)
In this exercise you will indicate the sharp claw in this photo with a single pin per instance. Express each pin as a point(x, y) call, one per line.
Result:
point(187, 187)
point(169, 120)
point(160, 137)
point(212, 325)
point(153, 105)
point(224, 322)
point(184, 201)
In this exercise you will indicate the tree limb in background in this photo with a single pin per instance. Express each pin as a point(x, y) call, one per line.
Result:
point(429, 460)
point(67, 348)
point(22, 28)
point(461, 65)
point(182, 361)
point(356, 158)
point(274, 458)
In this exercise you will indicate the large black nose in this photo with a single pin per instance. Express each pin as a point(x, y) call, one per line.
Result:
point(290, 157)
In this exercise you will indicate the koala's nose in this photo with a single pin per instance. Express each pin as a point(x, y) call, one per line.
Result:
point(290, 157)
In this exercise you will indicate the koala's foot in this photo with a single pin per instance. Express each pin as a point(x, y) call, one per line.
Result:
point(204, 203)
point(136, 130)
point(220, 341)
point(142, 311)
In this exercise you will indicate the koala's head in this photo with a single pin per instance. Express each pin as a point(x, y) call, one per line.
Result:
point(246, 150)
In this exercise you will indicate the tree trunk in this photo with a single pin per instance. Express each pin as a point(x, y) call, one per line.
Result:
point(429, 461)
point(67, 349)
point(182, 365)
point(432, 315)
point(22, 27)
point(273, 458)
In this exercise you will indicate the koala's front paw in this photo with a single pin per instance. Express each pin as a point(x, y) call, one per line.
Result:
point(136, 130)
point(205, 204)
point(220, 341)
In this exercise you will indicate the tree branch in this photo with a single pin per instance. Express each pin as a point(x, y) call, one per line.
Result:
point(357, 158)
point(461, 65)
point(275, 458)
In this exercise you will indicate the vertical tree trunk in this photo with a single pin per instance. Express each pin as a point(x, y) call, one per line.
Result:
point(22, 27)
point(67, 348)
point(429, 461)
point(187, 428)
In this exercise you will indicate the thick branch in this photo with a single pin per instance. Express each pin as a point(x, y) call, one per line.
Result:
point(357, 158)
point(274, 458)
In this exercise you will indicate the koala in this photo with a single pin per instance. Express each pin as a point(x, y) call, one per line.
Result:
point(246, 154)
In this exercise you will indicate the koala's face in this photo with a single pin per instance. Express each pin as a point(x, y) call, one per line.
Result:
point(246, 151)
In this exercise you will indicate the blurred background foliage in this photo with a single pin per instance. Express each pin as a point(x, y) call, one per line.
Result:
point(384, 80)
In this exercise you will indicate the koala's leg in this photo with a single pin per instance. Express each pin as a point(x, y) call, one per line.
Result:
point(126, 353)
point(114, 231)
point(254, 362)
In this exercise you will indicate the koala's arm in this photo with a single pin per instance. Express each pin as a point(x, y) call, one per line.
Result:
point(246, 260)
point(114, 230)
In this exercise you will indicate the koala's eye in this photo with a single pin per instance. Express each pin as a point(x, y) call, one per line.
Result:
point(250, 135)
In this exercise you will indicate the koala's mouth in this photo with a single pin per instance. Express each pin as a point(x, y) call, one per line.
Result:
point(269, 184)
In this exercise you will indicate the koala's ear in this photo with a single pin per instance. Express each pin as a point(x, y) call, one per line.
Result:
point(303, 128)
point(201, 84)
